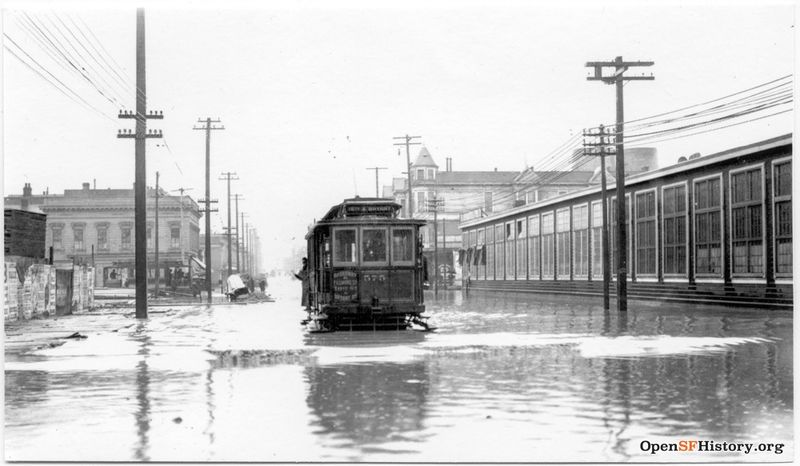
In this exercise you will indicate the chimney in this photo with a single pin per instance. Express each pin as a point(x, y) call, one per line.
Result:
point(26, 197)
point(86, 187)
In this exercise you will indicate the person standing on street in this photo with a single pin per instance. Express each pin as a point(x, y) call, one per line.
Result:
point(303, 277)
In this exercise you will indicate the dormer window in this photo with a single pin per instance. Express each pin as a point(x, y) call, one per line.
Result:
point(420, 174)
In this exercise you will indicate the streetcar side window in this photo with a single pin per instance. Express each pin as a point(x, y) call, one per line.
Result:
point(344, 246)
point(374, 248)
point(402, 246)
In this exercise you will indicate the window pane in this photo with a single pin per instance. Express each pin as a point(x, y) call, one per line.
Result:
point(344, 246)
point(402, 245)
point(373, 243)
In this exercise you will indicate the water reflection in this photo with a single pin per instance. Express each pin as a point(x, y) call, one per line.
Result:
point(142, 414)
point(504, 376)
point(368, 404)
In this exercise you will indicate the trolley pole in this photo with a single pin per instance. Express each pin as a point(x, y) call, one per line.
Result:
point(618, 79)
point(602, 149)
point(377, 193)
point(407, 142)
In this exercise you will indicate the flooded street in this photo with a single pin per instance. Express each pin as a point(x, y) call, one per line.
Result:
point(505, 378)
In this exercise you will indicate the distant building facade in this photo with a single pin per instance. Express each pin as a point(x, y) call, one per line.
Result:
point(97, 225)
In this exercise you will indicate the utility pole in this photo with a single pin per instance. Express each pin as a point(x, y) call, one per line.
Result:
point(207, 201)
point(244, 258)
point(155, 233)
point(619, 79)
point(245, 245)
point(376, 178)
point(183, 253)
point(602, 149)
point(407, 142)
point(140, 185)
point(236, 197)
point(433, 204)
point(229, 176)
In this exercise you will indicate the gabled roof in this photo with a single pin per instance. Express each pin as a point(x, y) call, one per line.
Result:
point(424, 159)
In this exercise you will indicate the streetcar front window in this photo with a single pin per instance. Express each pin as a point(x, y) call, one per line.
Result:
point(402, 246)
point(373, 246)
point(344, 246)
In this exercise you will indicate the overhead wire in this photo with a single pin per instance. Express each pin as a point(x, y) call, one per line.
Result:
point(77, 98)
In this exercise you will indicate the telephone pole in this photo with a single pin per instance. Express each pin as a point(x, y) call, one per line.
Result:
point(229, 176)
point(237, 197)
point(376, 178)
point(155, 234)
point(618, 79)
point(207, 201)
point(140, 185)
point(407, 142)
point(602, 149)
point(433, 204)
point(244, 251)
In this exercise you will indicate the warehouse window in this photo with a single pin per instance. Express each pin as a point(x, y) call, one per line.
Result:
point(499, 262)
point(533, 247)
point(548, 266)
point(597, 239)
point(747, 229)
point(580, 239)
point(707, 225)
point(646, 232)
point(674, 206)
point(562, 242)
point(490, 253)
point(782, 186)
point(509, 255)
point(521, 248)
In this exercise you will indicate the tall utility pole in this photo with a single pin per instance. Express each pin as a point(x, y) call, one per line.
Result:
point(245, 245)
point(433, 204)
point(229, 176)
point(602, 149)
point(407, 142)
point(619, 79)
point(237, 197)
point(140, 185)
point(377, 194)
point(208, 128)
point(183, 253)
point(241, 246)
point(155, 234)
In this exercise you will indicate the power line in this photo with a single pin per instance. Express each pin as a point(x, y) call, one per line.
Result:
point(80, 100)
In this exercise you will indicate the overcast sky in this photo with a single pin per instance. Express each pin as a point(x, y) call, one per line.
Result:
point(312, 95)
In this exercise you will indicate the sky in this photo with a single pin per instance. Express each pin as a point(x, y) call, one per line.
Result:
point(311, 94)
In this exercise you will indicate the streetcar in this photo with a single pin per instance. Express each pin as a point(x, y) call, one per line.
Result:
point(365, 269)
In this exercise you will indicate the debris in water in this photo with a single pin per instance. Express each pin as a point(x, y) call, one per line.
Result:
point(177, 420)
point(77, 335)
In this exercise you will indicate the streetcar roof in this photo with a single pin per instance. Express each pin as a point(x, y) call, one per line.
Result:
point(364, 211)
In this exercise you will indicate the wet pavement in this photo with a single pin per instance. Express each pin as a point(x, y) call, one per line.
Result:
point(505, 378)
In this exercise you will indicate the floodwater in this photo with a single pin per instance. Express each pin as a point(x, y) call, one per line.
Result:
point(505, 378)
